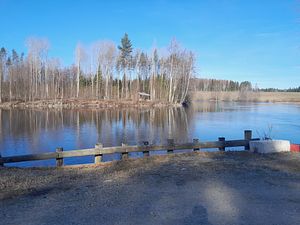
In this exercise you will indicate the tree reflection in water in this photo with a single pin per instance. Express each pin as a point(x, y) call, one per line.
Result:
point(24, 131)
point(30, 131)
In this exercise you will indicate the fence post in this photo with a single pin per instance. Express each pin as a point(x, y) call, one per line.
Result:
point(248, 137)
point(59, 159)
point(146, 153)
point(98, 154)
point(1, 163)
point(170, 143)
point(124, 155)
point(196, 142)
point(222, 148)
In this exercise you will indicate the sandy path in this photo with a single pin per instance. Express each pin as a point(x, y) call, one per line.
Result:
point(195, 188)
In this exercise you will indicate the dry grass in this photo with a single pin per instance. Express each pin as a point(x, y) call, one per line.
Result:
point(247, 96)
point(191, 188)
point(85, 103)
point(19, 181)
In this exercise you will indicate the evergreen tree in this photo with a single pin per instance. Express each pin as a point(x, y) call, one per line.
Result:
point(8, 62)
point(15, 56)
point(125, 58)
point(245, 86)
point(2, 53)
point(125, 50)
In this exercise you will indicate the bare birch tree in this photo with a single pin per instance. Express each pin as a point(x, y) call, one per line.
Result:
point(80, 56)
point(101, 72)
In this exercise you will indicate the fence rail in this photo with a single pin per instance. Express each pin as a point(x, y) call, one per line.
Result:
point(99, 150)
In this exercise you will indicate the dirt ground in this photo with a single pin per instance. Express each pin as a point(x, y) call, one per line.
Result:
point(85, 104)
point(192, 188)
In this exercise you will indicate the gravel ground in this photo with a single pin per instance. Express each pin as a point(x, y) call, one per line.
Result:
point(194, 188)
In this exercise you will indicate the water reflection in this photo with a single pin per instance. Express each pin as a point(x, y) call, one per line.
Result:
point(24, 131)
point(29, 131)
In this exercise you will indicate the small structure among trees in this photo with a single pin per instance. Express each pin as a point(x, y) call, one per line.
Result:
point(100, 71)
point(144, 96)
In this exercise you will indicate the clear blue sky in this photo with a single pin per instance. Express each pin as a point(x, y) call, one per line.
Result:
point(257, 40)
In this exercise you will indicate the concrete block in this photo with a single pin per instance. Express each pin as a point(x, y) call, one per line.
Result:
point(269, 146)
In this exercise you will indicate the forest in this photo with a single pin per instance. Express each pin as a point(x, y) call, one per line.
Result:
point(296, 89)
point(101, 70)
point(202, 84)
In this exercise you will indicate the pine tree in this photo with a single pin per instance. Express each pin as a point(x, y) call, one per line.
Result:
point(125, 58)
point(126, 50)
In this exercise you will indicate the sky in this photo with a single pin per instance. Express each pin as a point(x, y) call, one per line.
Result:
point(257, 40)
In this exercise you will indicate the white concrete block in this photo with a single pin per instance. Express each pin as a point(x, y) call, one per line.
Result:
point(270, 146)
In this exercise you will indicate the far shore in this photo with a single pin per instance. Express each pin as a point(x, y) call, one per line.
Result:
point(234, 96)
point(86, 104)
point(250, 96)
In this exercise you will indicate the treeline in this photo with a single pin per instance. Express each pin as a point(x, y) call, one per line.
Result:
point(198, 84)
point(101, 71)
point(297, 89)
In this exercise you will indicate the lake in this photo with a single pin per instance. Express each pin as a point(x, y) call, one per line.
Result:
point(25, 131)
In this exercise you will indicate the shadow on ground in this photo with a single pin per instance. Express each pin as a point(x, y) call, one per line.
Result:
point(194, 188)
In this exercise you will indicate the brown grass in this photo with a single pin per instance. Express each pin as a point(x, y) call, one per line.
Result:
point(85, 103)
point(190, 188)
point(20, 181)
point(246, 96)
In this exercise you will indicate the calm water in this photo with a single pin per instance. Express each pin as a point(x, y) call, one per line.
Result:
point(36, 131)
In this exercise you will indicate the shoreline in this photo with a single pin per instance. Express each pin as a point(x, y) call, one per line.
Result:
point(85, 104)
point(196, 97)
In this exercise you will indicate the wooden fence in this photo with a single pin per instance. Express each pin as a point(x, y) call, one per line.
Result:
point(99, 150)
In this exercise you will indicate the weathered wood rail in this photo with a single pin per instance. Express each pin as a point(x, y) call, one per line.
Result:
point(99, 150)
